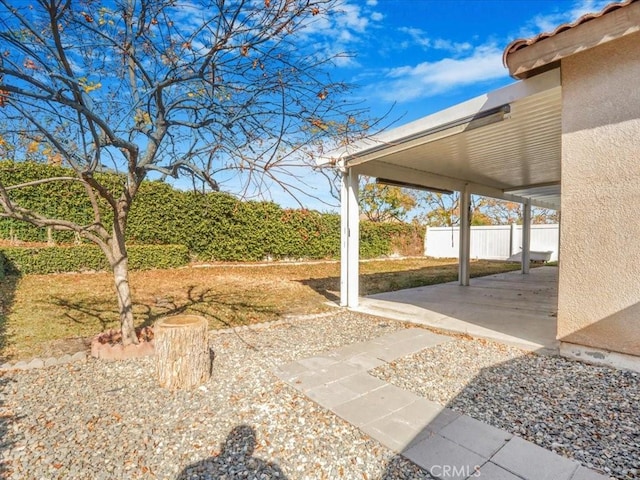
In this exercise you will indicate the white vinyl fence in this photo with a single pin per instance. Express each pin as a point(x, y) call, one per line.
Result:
point(499, 242)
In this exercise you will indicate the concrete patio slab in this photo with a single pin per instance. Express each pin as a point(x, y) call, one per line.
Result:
point(509, 307)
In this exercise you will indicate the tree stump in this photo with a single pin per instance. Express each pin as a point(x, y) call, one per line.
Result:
point(182, 351)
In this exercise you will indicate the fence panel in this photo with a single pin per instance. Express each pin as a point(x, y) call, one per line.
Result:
point(495, 242)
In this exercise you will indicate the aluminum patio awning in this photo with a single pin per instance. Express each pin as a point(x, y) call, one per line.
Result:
point(504, 144)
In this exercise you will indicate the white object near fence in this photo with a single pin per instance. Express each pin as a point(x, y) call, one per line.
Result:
point(495, 242)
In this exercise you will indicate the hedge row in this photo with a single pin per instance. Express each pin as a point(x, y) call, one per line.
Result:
point(43, 260)
point(213, 226)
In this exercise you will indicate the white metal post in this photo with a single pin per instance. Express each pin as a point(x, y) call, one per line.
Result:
point(465, 236)
point(344, 239)
point(513, 245)
point(353, 235)
point(526, 236)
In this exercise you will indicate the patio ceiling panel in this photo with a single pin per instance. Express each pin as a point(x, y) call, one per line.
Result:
point(508, 157)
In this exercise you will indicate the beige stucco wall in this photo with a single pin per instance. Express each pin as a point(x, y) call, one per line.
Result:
point(599, 290)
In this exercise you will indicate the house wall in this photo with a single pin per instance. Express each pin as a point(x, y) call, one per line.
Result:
point(599, 284)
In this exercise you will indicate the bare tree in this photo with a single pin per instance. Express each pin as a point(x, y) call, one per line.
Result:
point(385, 203)
point(443, 211)
point(216, 89)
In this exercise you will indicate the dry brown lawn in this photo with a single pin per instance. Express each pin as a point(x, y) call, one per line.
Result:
point(39, 311)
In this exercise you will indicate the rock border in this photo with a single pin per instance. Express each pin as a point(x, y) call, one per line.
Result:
point(82, 356)
point(42, 363)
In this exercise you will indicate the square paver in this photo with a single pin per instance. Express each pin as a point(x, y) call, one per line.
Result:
point(583, 473)
point(354, 349)
point(331, 394)
point(478, 437)
point(532, 462)
point(392, 432)
point(444, 459)
point(290, 371)
point(313, 379)
point(425, 414)
point(386, 353)
point(319, 362)
point(365, 361)
point(374, 405)
point(491, 471)
point(362, 383)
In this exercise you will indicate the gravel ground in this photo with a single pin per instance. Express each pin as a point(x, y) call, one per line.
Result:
point(584, 412)
point(100, 420)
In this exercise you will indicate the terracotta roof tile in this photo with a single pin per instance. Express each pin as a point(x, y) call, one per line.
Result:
point(525, 42)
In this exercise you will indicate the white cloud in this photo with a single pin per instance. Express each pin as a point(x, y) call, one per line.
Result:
point(417, 36)
point(549, 22)
point(340, 31)
point(420, 38)
point(427, 79)
point(441, 44)
point(372, 3)
point(351, 17)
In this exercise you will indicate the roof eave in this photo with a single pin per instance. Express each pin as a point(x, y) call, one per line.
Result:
point(525, 59)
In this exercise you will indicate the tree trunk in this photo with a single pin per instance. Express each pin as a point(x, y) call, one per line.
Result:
point(182, 351)
point(120, 266)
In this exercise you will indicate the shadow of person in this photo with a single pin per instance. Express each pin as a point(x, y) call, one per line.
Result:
point(234, 461)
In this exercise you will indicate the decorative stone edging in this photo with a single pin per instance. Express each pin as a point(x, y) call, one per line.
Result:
point(40, 363)
point(82, 356)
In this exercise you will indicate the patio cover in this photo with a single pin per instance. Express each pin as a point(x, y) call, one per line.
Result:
point(505, 144)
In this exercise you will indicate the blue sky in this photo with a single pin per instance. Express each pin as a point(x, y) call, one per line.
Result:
point(426, 55)
point(420, 56)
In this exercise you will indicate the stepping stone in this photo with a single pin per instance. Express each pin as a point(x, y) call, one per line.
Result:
point(444, 459)
point(532, 462)
point(478, 437)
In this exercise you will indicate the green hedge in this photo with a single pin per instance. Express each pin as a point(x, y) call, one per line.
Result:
point(213, 226)
point(21, 260)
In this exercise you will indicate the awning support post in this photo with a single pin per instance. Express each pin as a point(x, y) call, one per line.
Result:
point(349, 240)
point(465, 236)
point(344, 237)
point(526, 236)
